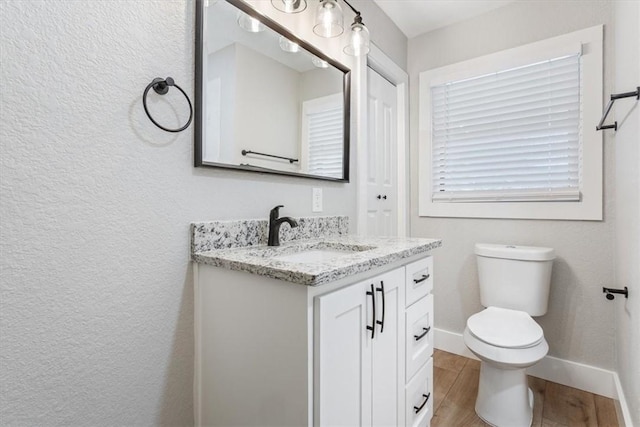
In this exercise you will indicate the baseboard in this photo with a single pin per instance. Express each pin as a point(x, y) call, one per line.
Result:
point(572, 374)
point(622, 409)
point(452, 343)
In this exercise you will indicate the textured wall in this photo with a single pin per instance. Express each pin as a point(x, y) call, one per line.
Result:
point(579, 323)
point(96, 309)
point(384, 32)
point(627, 202)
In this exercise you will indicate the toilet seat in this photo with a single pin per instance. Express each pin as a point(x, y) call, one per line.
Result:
point(505, 328)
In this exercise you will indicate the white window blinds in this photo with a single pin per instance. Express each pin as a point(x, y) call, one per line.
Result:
point(325, 140)
point(514, 135)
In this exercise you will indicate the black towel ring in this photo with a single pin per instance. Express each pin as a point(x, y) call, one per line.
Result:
point(161, 86)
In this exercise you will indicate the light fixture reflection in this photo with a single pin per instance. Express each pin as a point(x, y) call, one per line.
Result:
point(329, 19)
point(319, 62)
point(289, 6)
point(359, 39)
point(288, 46)
point(249, 24)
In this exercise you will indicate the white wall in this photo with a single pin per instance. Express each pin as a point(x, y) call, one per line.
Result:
point(96, 303)
point(384, 32)
point(220, 110)
point(627, 202)
point(318, 83)
point(268, 123)
point(579, 323)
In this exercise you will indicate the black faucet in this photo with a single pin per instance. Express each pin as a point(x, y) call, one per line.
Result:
point(275, 223)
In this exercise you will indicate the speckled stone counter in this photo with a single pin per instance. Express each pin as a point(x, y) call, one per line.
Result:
point(211, 235)
point(244, 254)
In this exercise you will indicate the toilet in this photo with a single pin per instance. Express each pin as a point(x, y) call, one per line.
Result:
point(514, 287)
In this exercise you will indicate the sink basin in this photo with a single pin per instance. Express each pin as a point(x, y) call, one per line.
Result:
point(307, 253)
point(313, 256)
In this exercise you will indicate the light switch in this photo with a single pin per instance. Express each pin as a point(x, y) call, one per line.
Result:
point(316, 200)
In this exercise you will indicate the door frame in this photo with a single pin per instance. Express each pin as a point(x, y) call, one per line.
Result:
point(383, 65)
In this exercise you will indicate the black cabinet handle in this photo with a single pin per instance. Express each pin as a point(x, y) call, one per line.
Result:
point(384, 197)
point(379, 197)
point(426, 399)
point(372, 328)
point(422, 279)
point(381, 290)
point(426, 331)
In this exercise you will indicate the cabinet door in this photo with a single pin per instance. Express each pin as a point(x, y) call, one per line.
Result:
point(388, 351)
point(343, 357)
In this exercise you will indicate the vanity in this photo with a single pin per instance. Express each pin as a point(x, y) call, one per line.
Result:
point(326, 329)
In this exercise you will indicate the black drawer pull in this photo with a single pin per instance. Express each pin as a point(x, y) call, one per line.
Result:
point(381, 290)
point(426, 331)
point(426, 399)
point(372, 328)
point(422, 279)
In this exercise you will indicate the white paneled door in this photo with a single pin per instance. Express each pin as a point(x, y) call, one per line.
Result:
point(344, 359)
point(382, 152)
point(387, 366)
point(360, 356)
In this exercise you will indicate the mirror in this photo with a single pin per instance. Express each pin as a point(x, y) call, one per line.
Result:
point(266, 101)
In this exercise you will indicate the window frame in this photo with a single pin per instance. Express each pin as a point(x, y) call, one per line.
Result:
point(589, 207)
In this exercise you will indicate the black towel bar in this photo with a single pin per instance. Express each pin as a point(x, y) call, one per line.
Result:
point(291, 160)
point(613, 99)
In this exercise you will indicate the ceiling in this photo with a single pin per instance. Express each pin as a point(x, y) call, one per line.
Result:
point(415, 17)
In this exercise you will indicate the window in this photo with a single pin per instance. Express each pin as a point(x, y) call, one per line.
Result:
point(323, 136)
point(512, 134)
point(509, 135)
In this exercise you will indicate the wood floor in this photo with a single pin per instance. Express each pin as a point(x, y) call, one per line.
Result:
point(456, 385)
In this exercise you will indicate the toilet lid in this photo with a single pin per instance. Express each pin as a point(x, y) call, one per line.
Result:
point(505, 328)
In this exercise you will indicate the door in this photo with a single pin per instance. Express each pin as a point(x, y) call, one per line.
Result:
point(382, 152)
point(360, 354)
point(388, 361)
point(343, 355)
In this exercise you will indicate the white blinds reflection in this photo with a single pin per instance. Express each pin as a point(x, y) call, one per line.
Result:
point(325, 136)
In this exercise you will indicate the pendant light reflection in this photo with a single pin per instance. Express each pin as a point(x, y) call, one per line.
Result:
point(359, 39)
point(249, 24)
point(289, 6)
point(319, 62)
point(288, 46)
point(329, 19)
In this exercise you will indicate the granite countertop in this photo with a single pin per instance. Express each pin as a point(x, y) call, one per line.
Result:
point(368, 253)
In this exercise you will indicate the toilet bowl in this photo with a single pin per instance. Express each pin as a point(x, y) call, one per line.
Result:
point(514, 285)
point(506, 342)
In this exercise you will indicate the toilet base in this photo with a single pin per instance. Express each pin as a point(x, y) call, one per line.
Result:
point(504, 398)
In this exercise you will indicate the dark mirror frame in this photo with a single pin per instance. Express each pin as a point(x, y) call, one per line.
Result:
point(199, 97)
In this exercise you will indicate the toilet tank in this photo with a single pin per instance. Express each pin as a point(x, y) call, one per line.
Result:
point(515, 277)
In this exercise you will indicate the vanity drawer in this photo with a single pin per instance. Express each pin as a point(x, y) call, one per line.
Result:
point(419, 338)
point(419, 397)
point(419, 280)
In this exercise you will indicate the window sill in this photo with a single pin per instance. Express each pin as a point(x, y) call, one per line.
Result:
point(586, 210)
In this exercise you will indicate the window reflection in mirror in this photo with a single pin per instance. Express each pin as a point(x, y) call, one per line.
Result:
point(266, 102)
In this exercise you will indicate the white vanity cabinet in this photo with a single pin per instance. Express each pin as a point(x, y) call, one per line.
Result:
point(274, 353)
